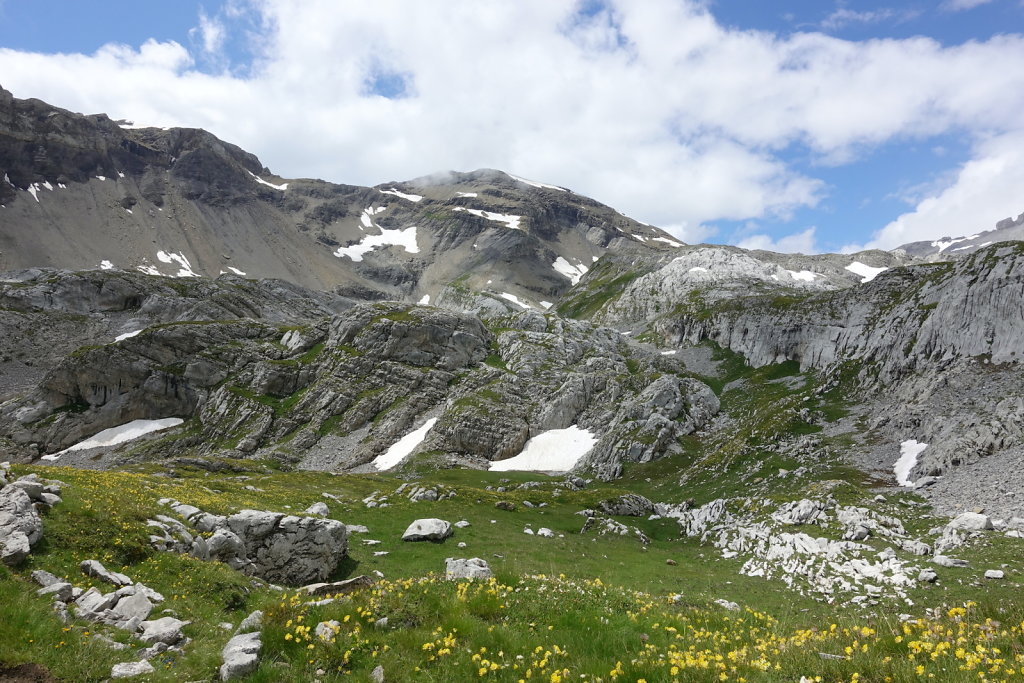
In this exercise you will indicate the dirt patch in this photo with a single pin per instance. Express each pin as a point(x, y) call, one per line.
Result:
point(26, 673)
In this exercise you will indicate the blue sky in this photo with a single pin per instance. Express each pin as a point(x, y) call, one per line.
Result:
point(798, 124)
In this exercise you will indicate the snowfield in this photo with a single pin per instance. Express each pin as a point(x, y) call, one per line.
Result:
point(867, 273)
point(282, 187)
point(508, 219)
point(401, 449)
point(399, 238)
point(556, 450)
point(574, 273)
point(410, 197)
point(116, 435)
point(909, 451)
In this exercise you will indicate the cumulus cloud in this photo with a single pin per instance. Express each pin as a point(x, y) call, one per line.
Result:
point(652, 107)
point(800, 242)
point(986, 189)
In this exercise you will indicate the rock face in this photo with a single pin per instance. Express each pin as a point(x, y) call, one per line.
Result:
point(361, 381)
point(271, 545)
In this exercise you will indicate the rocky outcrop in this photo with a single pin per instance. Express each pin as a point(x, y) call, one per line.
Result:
point(271, 545)
point(21, 527)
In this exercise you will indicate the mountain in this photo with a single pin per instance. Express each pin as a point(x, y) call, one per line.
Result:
point(1008, 229)
point(81, 192)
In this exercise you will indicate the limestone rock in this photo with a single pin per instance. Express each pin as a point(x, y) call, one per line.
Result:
point(241, 655)
point(971, 521)
point(253, 622)
point(628, 505)
point(163, 630)
point(131, 669)
point(20, 525)
point(430, 529)
point(96, 570)
point(995, 574)
point(473, 568)
point(319, 509)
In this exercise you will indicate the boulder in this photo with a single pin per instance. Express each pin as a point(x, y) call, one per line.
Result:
point(318, 509)
point(927, 576)
point(96, 570)
point(946, 561)
point(431, 529)
point(995, 574)
point(799, 512)
point(131, 669)
point(164, 630)
point(20, 525)
point(135, 606)
point(971, 521)
point(241, 656)
point(628, 505)
point(60, 591)
point(473, 568)
point(253, 622)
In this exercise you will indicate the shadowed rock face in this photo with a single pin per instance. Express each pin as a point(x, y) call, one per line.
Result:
point(337, 392)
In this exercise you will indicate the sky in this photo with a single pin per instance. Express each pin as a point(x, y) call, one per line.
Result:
point(794, 125)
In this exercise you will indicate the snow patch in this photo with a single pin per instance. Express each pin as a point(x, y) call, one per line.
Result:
point(401, 449)
point(667, 241)
point(909, 450)
point(116, 435)
point(47, 185)
point(508, 219)
point(536, 184)
point(514, 299)
point(805, 275)
point(33, 190)
point(185, 268)
point(425, 301)
point(668, 353)
point(101, 177)
point(466, 194)
point(556, 450)
point(126, 335)
point(236, 271)
point(399, 238)
point(148, 269)
point(574, 273)
point(546, 305)
point(261, 181)
point(410, 197)
point(106, 265)
point(946, 243)
point(867, 273)
point(697, 269)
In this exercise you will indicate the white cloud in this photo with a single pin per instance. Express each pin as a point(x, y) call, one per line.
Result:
point(211, 32)
point(843, 17)
point(987, 189)
point(801, 242)
point(960, 5)
point(652, 106)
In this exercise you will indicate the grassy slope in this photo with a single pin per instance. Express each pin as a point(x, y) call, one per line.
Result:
point(603, 601)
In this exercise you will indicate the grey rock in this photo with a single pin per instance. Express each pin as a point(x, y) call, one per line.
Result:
point(927, 576)
point(14, 548)
point(339, 587)
point(945, 561)
point(377, 675)
point(327, 630)
point(60, 591)
point(995, 574)
point(20, 525)
point(34, 489)
point(799, 512)
point(461, 524)
point(628, 505)
point(95, 569)
point(163, 630)
point(253, 622)
point(473, 568)
point(318, 509)
point(131, 669)
point(241, 656)
point(430, 529)
point(971, 521)
point(136, 606)
point(93, 601)
point(45, 578)
point(726, 604)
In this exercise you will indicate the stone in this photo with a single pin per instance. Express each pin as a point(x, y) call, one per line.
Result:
point(431, 529)
point(131, 669)
point(727, 604)
point(505, 505)
point(799, 512)
point(60, 591)
point(34, 489)
point(927, 576)
point(461, 524)
point(377, 675)
point(14, 548)
point(49, 499)
point(945, 561)
point(545, 532)
point(319, 509)
point(225, 545)
point(135, 606)
point(338, 587)
point(241, 656)
point(93, 601)
point(628, 505)
point(20, 525)
point(45, 578)
point(670, 562)
point(995, 574)
point(163, 630)
point(327, 630)
point(96, 570)
point(253, 622)
point(473, 568)
point(971, 521)
point(916, 547)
